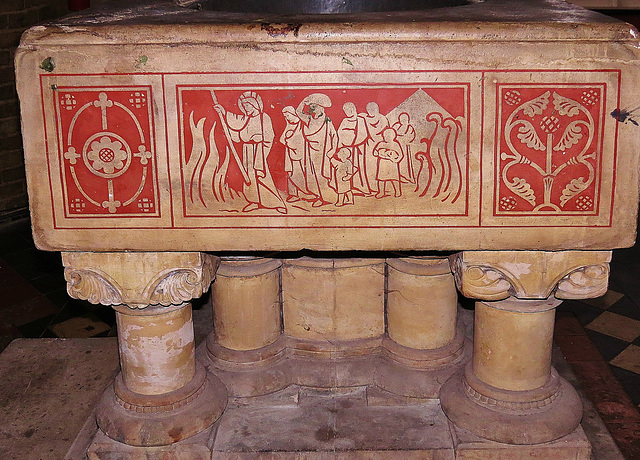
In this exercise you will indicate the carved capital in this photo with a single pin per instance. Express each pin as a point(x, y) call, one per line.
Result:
point(479, 281)
point(584, 283)
point(92, 285)
point(496, 275)
point(138, 279)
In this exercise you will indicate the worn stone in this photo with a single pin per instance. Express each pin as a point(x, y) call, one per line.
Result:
point(49, 387)
point(333, 300)
point(421, 292)
point(246, 299)
point(488, 123)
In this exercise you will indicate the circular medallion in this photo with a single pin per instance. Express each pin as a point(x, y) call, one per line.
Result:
point(106, 155)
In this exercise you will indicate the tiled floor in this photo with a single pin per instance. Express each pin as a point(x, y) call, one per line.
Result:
point(33, 297)
point(600, 338)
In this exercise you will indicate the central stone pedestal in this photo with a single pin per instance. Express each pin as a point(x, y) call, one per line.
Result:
point(358, 421)
point(348, 423)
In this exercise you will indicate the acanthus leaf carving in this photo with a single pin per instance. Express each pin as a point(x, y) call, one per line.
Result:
point(584, 283)
point(167, 280)
point(176, 287)
point(93, 286)
point(182, 284)
point(496, 275)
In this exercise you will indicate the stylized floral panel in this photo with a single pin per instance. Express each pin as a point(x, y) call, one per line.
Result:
point(549, 150)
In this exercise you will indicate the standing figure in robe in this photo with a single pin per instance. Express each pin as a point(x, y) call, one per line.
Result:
point(389, 154)
point(352, 135)
point(254, 131)
point(294, 164)
point(406, 134)
point(343, 174)
point(376, 123)
point(321, 142)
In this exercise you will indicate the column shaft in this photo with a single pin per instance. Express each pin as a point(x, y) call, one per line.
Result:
point(512, 349)
point(157, 351)
point(246, 299)
point(422, 302)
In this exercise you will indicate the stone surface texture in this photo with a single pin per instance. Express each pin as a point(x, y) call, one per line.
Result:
point(247, 299)
point(49, 388)
point(333, 299)
point(485, 141)
point(421, 292)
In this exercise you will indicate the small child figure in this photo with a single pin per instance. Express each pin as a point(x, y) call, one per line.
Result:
point(343, 173)
point(389, 153)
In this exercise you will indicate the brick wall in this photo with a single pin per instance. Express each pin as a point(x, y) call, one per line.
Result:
point(15, 17)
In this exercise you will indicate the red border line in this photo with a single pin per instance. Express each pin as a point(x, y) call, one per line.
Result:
point(166, 141)
point(615, 149)
point(369, 72)
point(503, 227)
point(280, 72)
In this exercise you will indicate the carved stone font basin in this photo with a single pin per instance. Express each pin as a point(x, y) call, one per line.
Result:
point(169, 148)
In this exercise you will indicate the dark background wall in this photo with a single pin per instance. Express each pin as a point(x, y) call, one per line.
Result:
point(15, 17)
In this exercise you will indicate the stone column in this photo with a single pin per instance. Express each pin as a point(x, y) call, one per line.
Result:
point(246, 346)
point(423, 342)
point(509, 392)
point(157, 352)
point(162, 394)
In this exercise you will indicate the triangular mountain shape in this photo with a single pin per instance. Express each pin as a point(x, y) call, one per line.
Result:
point(418, 106)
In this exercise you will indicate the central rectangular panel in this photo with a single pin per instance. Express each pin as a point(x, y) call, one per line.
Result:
point(320, 149)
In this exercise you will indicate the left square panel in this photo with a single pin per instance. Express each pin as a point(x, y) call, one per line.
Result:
point(106, 156)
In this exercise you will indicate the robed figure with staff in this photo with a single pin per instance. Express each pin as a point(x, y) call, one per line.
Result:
point(252, 129)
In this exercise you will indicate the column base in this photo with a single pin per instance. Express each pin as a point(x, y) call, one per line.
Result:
point(511, 417)
point(349, 424)
point(420, 373)
point(196, 447)
point(333, 364)
point(161, 420)
point(249, 373)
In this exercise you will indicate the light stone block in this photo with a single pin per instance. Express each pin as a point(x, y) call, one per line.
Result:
point(512, 130)
point(333, 299)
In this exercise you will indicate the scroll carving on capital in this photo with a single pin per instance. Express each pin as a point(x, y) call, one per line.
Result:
point(496, 275)
point(93, 286)
point(138, 280)
point(479, 281)
point(584, 283)
point(181, 285)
